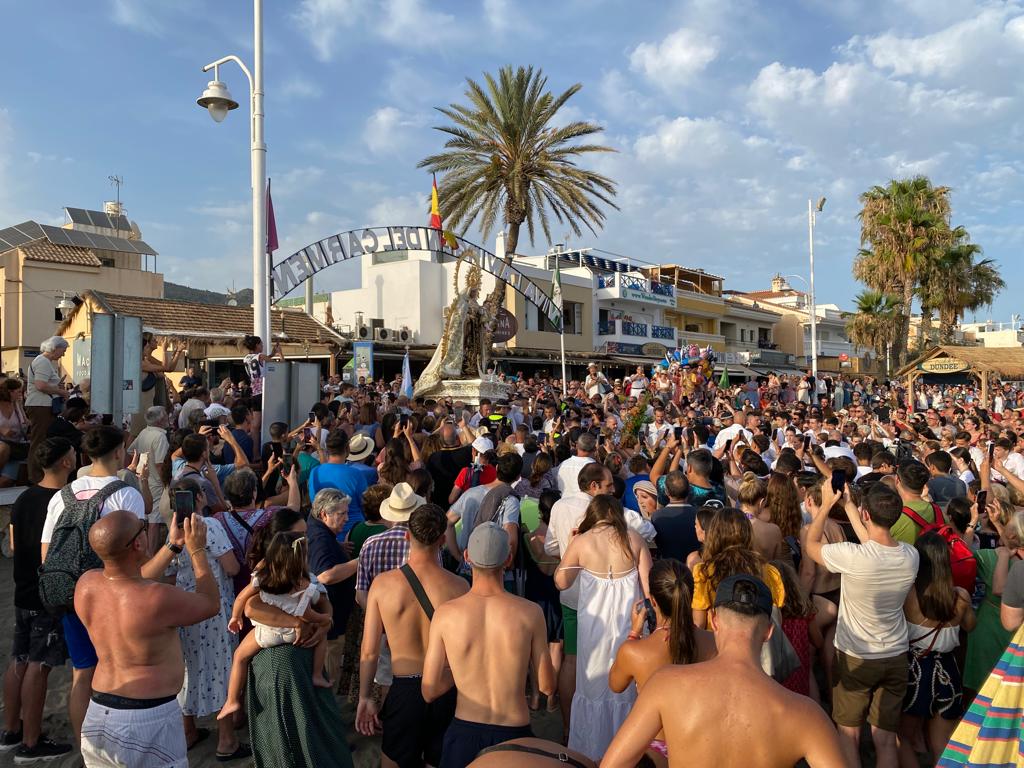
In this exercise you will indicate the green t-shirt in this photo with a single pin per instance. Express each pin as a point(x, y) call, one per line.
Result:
point(306, 463)
point(361, 531)
point(905, 529)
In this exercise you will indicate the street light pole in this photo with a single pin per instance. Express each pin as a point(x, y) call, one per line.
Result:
point(217, 99)
point(814, 306)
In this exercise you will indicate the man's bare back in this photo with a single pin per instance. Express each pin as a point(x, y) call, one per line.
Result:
point(738, 716)
point(139, 653)
point(405, 623)
point(490, 641)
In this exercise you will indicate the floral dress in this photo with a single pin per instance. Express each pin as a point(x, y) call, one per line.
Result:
point(208, 646)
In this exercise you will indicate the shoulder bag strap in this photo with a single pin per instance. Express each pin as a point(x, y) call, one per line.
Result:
point(918, 520)
point(937, 511)
point(417, 589)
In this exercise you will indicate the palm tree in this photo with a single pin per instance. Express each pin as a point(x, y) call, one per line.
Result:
point(962, 284)
point(873, 325)
point(903, 225)
point(506, 157)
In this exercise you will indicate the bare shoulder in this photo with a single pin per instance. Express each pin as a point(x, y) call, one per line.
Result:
point(457, 585)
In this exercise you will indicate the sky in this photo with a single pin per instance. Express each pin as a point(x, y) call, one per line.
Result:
point(726, 117)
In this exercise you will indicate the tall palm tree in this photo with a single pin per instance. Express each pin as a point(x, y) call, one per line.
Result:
point(873, 324)
point(903, 224)
point(507, 157)
point(962, 284)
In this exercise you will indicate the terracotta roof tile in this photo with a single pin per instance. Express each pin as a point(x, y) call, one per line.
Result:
point(43, 250)
point(184, 319)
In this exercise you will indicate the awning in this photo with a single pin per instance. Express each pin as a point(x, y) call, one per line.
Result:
point(735, 369)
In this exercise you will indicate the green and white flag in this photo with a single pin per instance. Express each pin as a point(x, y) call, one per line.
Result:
point(556, 289)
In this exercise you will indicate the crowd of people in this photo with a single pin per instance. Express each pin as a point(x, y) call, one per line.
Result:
point(756, 576)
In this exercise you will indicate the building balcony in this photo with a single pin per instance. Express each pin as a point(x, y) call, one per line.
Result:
point(686, 338)
point(626, 287)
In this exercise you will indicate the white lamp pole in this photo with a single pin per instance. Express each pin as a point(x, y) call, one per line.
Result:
point(814, 307)
point(218, 101)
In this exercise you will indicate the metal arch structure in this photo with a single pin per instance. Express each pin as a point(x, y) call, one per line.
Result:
point(294, 270)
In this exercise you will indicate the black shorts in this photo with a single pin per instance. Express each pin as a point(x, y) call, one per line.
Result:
point(414, 730)
point(38, 638)
point(465, 740)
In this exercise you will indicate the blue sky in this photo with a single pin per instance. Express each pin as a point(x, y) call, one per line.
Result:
point(727, 116)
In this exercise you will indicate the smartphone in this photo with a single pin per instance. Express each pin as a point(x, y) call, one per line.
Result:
point(982, 502)
point(838, 480)
point(286, 465)
point(807, 442)
point(277, 450)
point(728, 446)
point(651, 618)
point(679, 433)
point(143, 461)
point(184, 506)
point(991, 450)
point(312, 417)
point(307, 434)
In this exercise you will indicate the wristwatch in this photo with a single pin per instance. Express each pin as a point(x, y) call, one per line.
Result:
point(175, 548)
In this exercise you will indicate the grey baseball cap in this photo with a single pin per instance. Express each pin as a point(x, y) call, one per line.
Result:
point(488, 545)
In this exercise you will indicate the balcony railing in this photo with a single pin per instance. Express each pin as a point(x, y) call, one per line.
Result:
point(765, 344)
point(663, 332)
point(634, 329)
point(606, 328)
point(633, 282)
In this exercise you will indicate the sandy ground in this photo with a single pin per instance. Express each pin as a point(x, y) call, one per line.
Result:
point(365, 755)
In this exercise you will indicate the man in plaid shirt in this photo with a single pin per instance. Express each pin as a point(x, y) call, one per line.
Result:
point(389, 550)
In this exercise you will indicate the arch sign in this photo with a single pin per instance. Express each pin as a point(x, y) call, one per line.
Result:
point(303, 264)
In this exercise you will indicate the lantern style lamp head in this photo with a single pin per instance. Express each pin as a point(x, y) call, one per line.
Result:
point(217, 100)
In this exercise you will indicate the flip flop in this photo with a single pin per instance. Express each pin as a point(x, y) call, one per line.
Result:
point(202, 734)
point(241, 752)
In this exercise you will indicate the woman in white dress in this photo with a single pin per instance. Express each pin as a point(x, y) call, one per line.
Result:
point(612, 563)
point(208, 647)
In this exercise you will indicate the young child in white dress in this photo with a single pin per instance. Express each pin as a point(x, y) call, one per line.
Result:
point(282, 580)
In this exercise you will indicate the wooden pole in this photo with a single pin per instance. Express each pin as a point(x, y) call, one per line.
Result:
point(984, 388)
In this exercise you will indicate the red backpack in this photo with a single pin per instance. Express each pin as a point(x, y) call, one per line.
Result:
point(965, 567)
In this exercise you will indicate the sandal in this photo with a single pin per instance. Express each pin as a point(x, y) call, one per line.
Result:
point(242, 751)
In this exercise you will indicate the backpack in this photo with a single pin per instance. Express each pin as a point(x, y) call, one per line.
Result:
point(961, 559)
point(69, 554)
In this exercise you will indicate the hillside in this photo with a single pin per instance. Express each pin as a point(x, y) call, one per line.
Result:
point(199, 296)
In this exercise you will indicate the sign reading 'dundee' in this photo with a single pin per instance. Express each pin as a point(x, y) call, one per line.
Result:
point(943, 365)
point(303, 264)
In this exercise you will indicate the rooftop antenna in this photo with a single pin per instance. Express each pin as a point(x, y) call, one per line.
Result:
point(117, 181)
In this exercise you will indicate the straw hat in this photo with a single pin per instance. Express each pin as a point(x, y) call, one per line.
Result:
point(359, 447)
point(400, 504)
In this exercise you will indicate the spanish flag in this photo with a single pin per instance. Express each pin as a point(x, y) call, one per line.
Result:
point(435, 217)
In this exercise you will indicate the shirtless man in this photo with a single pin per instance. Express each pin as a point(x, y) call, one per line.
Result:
point(134, 720)
point(765, 726)
point(484, 643)
point(401, 604)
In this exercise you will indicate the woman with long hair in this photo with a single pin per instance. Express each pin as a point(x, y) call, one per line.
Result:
point(729, 550)
point(798, 626)
point(611, 564)
point(394, 469)
point(673, 640)
point(783, 503)
point(752, 496)
point(541, 478)
point(936, 610)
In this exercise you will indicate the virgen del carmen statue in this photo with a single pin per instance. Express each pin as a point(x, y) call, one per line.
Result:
point(459, 366)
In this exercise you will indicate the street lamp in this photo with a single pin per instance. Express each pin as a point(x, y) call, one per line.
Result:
point(217, 100)
point(811, 209)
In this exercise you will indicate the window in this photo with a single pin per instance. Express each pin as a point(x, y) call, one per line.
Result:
point(573, 319)
point(107, 262)
point(692, 328)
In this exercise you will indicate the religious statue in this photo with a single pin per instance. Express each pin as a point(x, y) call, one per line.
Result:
point(465, 346)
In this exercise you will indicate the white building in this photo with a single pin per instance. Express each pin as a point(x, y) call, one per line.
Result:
point(989, 334)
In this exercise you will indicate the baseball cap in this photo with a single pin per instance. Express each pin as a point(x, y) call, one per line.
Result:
point(745, 594)
point(483, 445)
point(488, 545)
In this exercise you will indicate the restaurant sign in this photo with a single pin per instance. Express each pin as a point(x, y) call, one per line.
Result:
point(944, 365)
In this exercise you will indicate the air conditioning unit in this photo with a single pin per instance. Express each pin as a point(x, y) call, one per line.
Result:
point(405, 334)
point(363, 332)
point(384, 334)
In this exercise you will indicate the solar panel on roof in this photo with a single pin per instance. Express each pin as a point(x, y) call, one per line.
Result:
point(78, 215)
point(80, 239)
point(23, 233)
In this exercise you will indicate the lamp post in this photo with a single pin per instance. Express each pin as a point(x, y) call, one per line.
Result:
point(811, 208)
point(218, 101)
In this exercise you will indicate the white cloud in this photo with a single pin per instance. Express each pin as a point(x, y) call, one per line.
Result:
point(406, 20)
point(323, 20)
point(399, 210)
point(497, 15)
point(677, 59)
point(300, 88)
point(386, 130)
point(296, 181)
point(137, 14)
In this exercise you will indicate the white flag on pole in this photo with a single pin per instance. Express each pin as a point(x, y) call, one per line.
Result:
point(406, 376)
point(556, 288)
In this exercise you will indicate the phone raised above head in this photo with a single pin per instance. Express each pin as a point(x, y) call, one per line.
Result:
point(807, 442)
point(838, 480)
point(184, 506)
